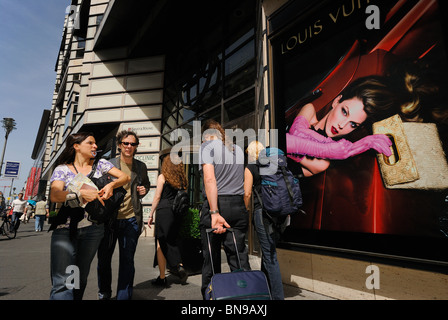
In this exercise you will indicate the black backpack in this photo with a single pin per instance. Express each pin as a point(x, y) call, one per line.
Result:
point(181, 202)
point(280, 190)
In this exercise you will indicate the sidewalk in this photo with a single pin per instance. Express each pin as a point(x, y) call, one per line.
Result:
point(25, 272)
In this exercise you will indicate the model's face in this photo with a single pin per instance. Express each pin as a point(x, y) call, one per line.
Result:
point(345, 117)
point(87, 147)
point(128, 146)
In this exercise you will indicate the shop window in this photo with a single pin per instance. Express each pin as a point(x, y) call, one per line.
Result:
point(212, 78)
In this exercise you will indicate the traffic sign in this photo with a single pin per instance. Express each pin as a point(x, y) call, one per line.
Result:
point(12, 169)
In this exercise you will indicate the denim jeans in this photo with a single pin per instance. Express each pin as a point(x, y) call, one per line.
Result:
point(39, 223)
point(79, 253)
point(15, 220)
point(269, 262)
point(127, 232)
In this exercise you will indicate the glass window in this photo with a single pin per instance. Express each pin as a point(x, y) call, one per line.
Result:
point(74, 115)
point(99, 18)
point(213, 78)
point(214, 114)
point(68, 118)
point(81, 43)
point(240, 106)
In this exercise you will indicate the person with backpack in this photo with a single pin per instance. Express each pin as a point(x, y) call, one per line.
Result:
point(222, 167)
point(167, 222)
point(266, 226)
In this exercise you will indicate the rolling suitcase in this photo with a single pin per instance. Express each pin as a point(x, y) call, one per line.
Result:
point(236, 285)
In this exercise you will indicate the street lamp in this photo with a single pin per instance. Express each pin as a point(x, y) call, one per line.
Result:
point(9, 124)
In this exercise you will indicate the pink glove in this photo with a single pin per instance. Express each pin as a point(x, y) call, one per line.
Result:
point(303, 143)
point(380, 142)
point(301, 125)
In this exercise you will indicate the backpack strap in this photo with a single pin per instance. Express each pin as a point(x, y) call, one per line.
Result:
point(288, 184)
point(92, 172)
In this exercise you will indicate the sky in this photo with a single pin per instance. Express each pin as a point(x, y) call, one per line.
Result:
point(30, 37)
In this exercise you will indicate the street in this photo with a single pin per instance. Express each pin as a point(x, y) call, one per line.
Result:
point(25, 272)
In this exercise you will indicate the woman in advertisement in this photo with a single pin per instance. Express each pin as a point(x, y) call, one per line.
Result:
point(313, 142)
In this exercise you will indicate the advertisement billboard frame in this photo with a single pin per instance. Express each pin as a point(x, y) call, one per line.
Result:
point(297, 31)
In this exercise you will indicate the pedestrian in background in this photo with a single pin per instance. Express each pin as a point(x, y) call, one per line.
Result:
point(29, 213)
point(2, 202)
point(18, 209)
point(167, 224)
point(40, 213)
point(222, 167)
point(78, 250)
point(267, 234)
point(127, 226)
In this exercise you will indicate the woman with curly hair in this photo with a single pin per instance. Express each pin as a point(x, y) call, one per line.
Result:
point(167, 224)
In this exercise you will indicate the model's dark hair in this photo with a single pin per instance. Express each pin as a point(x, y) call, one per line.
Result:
point(421, 90)
point(68, 155)
point(378, 99)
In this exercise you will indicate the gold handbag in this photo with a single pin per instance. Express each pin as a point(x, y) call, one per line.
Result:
point(418, 160)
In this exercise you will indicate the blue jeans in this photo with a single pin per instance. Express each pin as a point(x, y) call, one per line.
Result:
point(15, 220)
point(78, 252)
point(39, 223)
point(126, 231)
point(269, 262)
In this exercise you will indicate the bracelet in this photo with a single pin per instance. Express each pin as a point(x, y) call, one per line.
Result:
point(212, 212)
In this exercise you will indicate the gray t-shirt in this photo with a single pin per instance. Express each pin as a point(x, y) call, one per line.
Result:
point(229, 166)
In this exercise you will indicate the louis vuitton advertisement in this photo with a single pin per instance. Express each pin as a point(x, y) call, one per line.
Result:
point(360, 94)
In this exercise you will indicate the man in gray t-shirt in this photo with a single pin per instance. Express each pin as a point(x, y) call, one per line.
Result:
point(229, 166)
point(223, 208)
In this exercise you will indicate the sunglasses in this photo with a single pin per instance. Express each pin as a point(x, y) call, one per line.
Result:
point(134, 144)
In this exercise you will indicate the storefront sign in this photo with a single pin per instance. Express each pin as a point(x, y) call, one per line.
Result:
point(148, 128)
point(151, 160)
point(149, 144)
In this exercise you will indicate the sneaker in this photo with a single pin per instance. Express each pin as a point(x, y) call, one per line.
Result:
point(159, 282)
point(103, 296)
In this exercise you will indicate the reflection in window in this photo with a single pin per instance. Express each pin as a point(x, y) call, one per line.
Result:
point(214, 114)
point(240, 106)
point(212, 79)
point(68, 118)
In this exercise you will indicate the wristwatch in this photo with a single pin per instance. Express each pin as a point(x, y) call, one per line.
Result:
point(212, 212)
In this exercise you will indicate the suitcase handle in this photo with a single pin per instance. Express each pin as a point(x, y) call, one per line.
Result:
point(208, 230)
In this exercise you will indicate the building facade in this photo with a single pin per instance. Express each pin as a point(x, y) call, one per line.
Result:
point(159, 66)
